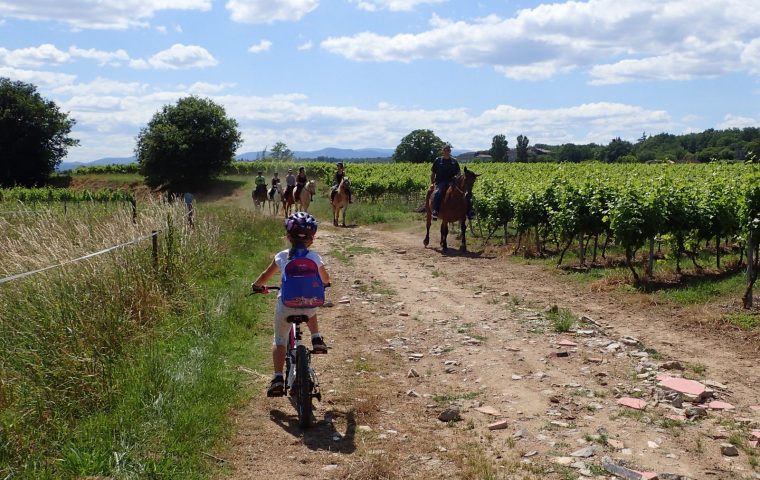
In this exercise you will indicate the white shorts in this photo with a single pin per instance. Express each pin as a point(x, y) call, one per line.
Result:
point(281, 325)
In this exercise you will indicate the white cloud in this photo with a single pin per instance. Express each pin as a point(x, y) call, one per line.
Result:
point(203, 88)
point(96, 14)
point(177, 57)
point(262, 46)
point(306, 46)
point(45, 54)
point(616, 40)
point(735, 121)
point(39, 78)
point(392, 5)
point(162, 28)
point(119, 110)
point(269, 11)
point(102, 57)
point(101, 86)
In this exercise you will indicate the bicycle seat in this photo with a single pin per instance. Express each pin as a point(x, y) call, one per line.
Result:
point(298, 319)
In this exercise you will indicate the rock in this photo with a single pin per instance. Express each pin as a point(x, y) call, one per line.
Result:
point(584, 452)
point(330, 467)
point(412, 373)
point(532, 453)
point(566, 343)
point(672, 365)
point(635, 403)
point(714, 384)
point(560, 354)
point(614, 346)
point(616, 444)
point(653, 445)
point(364, 428)
point(623, 472)
point(630, 341)
point(500, 425)
point(690, 389)
point(695, 412)
point(729, 450)
point(516, 377)
point(557, 423)
point(563, 460)
point(451, 414)
point(412, 393)
point(717, 405)
point(488, 411)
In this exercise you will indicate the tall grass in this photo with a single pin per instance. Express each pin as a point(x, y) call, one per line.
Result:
point(111, 366)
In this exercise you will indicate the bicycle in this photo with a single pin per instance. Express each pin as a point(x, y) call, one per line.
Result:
point(301, 382)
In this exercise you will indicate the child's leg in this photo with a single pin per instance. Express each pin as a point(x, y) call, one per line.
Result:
point(278, 358)
point(313, 325)
point(317, 342)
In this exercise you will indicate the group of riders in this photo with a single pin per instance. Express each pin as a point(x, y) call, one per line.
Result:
point(294, 184)
point(444, 170)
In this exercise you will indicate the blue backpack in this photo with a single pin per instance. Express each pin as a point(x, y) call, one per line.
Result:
point(302, 286)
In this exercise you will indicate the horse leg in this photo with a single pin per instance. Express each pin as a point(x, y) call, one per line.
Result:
point(345, 207)
point(463, 227)
point(444, 234)
point(427, 228)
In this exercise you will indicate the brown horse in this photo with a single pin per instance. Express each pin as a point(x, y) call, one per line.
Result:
point(453, 208)
point(340, 201)
point(259, 196)
point(288, 201)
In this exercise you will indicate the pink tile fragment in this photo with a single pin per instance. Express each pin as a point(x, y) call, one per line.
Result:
point(683, 385)
point(755, 434)
point(754, 407)
point(677, 418)
point(635, 403)
point(566, 343)
point(752, 443)
point(718, 405)
point(648, 475)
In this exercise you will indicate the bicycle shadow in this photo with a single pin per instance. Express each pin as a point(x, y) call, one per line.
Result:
point(323, 435)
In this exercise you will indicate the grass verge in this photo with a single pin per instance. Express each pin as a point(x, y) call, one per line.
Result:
point(124, 372)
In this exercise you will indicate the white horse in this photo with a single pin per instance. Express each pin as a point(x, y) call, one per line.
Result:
point(309, 190)
point(274, 197)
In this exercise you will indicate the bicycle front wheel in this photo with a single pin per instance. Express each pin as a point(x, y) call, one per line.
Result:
point(303, 387)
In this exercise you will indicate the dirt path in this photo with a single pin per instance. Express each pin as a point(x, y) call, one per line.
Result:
point(414, 332)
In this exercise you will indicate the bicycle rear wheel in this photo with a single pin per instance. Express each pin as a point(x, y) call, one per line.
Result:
point(303, 388)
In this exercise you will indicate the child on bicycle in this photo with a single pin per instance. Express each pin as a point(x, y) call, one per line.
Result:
point(301, 228)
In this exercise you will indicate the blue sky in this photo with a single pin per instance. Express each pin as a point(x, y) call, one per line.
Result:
point(364, 73)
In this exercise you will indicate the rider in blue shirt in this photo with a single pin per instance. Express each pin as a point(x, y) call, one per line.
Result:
point(445, 168)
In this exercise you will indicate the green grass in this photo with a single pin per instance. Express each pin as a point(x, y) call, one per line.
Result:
point(561, 319)
point(157, 398)
point(744, 320)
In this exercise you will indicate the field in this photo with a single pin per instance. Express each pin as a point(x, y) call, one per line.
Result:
point(130, 365)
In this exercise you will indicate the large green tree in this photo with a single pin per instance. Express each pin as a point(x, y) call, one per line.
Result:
point(419, 146)
point(499, 148)
point(34, 134)
point(281, 152)
point(522, 148)
point(186, 144)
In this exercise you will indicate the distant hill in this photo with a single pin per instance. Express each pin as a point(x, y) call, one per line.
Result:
point(340, 153)
point(101, 161)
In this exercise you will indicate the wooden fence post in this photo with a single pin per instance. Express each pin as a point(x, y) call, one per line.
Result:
point(154, 241)
point(751, 273)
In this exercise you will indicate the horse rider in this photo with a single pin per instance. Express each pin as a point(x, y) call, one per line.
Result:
point(300, 182)
point(339, 174)
point(275, 182)
point(445, 169)
point(290, 183)
point(261, 184)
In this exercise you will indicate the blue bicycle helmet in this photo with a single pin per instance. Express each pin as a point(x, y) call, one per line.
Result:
point(301, 225)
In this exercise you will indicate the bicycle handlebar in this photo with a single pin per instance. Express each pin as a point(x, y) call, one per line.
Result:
point(265, 288)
